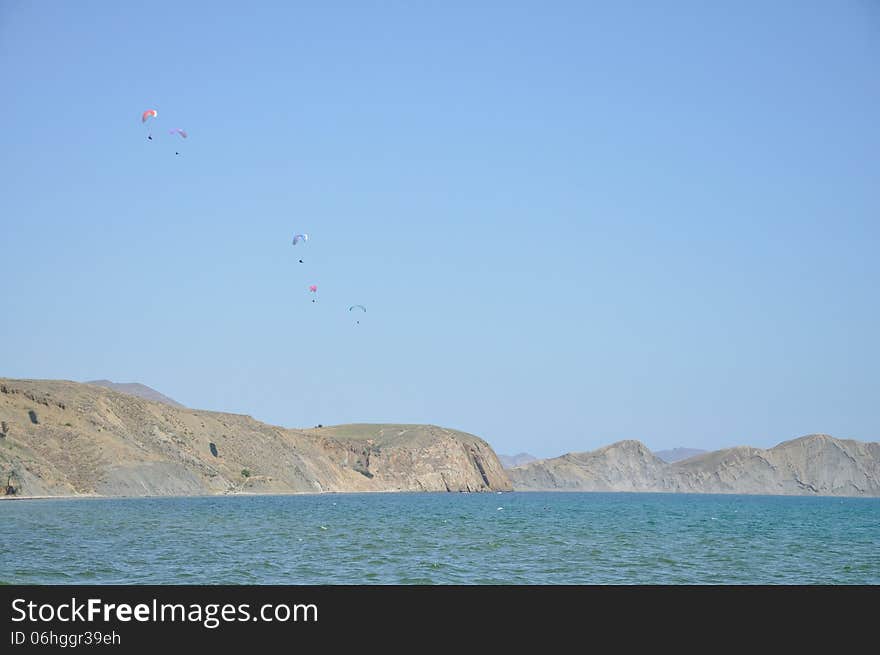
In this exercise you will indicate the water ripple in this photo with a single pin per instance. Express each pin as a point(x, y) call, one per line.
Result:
point(569, 538)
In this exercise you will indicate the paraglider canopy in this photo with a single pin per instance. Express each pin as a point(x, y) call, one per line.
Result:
point(300, 237)
point(179, 131)
point(360, 307)
point(150, 113)
point(313, 288)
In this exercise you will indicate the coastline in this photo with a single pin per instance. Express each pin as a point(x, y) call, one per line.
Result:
point(251, 494)
point(443, 493)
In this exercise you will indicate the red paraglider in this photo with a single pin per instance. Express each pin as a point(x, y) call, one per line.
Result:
point(147, 115)
point(314, 289)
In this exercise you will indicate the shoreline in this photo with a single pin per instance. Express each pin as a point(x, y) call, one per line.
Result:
point(444, 493)
point(250, 494)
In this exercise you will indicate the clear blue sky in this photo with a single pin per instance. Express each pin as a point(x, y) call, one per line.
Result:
point(571, 222)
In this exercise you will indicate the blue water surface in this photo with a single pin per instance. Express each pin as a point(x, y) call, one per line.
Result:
point(511, 538)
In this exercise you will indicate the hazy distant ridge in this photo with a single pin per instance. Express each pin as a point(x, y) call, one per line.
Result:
point(509, 461)
point(137, 389)
point(678, 454)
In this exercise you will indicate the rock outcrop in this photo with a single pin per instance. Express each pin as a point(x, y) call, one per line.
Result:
point(811, 465)
point(91, 440)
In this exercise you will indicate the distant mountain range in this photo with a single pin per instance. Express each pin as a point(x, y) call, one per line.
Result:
point(136, 389)
point(105, 438)
point(668, 456)
point(509, 461)
point(816, 464)
point(678, 454)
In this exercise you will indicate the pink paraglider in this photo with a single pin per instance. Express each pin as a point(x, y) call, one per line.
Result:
point(179, 131)
point(314, 289)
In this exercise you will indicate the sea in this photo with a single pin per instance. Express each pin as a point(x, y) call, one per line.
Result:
point(427, 539)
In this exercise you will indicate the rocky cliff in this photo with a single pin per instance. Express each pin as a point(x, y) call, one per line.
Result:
point(813, 465)
point(67, 438)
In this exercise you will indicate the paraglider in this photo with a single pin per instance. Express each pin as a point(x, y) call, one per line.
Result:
point(360, 307)
point(179, 131)
point(313, 288)
point(147, 115)
point(300, 237)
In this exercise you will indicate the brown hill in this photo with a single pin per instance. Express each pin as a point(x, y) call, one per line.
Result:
point(68, 438)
